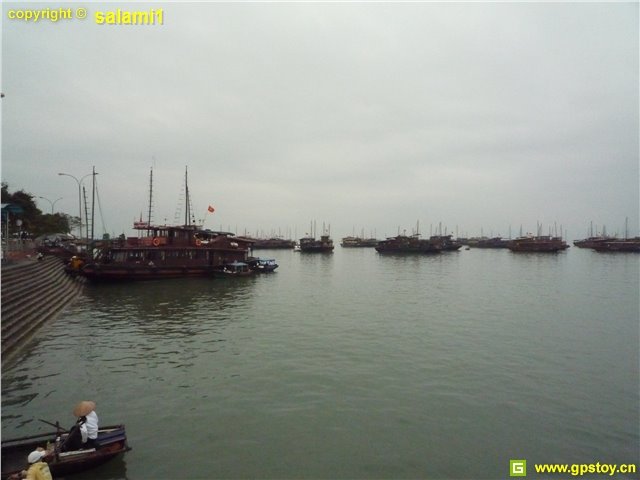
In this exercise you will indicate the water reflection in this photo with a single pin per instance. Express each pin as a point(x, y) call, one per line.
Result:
point(178, 308)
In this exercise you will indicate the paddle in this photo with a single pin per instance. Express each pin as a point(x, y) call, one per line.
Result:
point(57, 425)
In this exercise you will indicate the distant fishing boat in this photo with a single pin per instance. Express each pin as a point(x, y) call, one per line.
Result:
point(445, 242)
point(486, 242)
point(407, 244)
point(358, 242)
point(309, 244)
point(593, 240)
point(618, 245)
point(539, 243)
point(271, 243)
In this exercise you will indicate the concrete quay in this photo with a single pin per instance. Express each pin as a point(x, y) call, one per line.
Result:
point(33, 292)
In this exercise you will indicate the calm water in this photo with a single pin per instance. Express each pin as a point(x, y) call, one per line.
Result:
point(351, 365)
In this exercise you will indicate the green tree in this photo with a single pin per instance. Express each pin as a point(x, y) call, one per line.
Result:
point(33, 220)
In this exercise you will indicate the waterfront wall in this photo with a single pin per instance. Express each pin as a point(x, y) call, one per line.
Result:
point(33, 292)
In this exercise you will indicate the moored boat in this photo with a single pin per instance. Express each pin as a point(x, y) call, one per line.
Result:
point(445, 243)
point(311, 245)
point(407, 244)
point(111, 442)
point(592, 242)
point(270, 243)
point(485, 242)
point(262, 265)
point(166, 252)
point(234, 269)
point(358, 242)
point(539, 243)
point(618, 245)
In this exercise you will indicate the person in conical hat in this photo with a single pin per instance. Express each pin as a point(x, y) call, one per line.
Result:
point(88, 423)
point(83, 408)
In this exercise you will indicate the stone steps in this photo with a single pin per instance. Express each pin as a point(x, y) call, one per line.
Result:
point(33, 292)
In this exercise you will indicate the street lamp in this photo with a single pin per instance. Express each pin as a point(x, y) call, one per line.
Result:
point(52, 203)
point(79, 182)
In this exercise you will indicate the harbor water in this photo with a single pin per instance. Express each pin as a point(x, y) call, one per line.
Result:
point(350, 365)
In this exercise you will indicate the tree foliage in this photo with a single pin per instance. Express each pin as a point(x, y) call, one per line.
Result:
point(34, 221)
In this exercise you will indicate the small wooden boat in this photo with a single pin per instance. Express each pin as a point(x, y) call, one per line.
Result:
point(112, 441)
point(262, 265)
point(234, 269)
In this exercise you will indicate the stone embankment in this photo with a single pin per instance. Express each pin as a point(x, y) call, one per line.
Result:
point(33, 292)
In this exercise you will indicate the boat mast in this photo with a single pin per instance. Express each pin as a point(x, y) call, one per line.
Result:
point(626, 228)
point(150, 201)
point(93, 201)
point(187, 213)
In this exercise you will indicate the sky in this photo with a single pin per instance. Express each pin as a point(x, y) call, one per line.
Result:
point(371, 117)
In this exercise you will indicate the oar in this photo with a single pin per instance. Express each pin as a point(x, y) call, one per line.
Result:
point(57, 425)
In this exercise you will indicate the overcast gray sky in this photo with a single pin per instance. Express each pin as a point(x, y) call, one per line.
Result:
point(362, 115)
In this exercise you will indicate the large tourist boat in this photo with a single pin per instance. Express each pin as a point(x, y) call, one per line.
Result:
point(408, 244)
point(167, 252)
point(538, 243)
point(163, 251)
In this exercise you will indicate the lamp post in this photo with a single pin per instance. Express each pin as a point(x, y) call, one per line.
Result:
point(52, 203)
point(79, 182)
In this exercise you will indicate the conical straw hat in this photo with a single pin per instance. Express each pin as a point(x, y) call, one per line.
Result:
point(84, 408)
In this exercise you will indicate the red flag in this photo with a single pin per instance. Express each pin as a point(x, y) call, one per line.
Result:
point(211, 209)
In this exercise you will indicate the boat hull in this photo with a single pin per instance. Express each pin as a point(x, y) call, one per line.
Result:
point(115, 273)
point(630, 246)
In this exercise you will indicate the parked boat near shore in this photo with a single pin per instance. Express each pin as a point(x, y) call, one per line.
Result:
point(262, 265)
point(167, 252)
point(164, 251)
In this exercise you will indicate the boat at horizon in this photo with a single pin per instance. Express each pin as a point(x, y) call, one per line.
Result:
point(311, 245)
point(407, 244)
point(270, 243)
point(538, 243)
point(618, 245)
point(358, 242)
point(486, 242)
point(446, 243)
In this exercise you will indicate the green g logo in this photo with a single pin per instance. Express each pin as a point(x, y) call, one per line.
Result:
point(517, 468)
